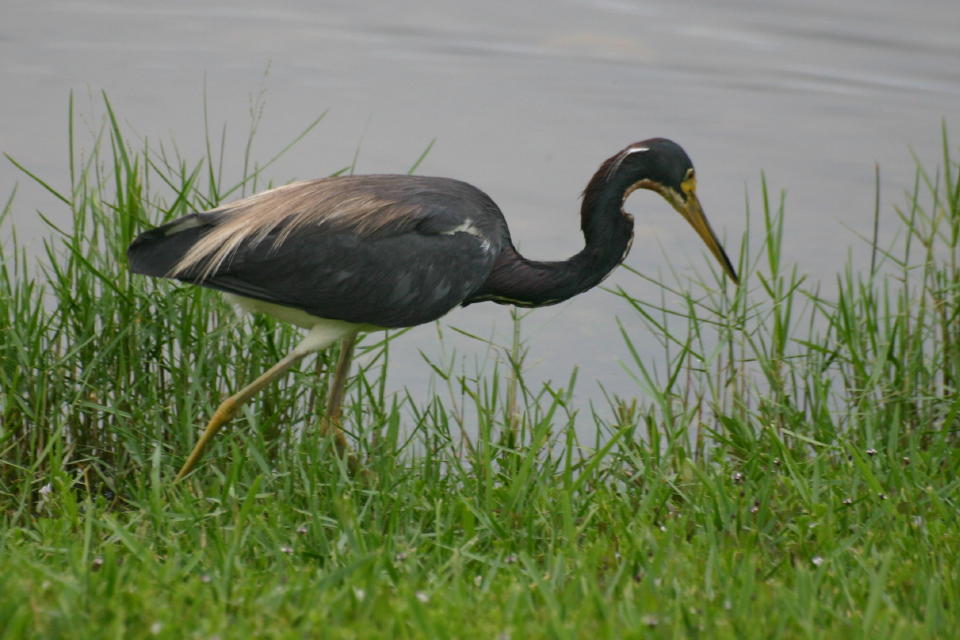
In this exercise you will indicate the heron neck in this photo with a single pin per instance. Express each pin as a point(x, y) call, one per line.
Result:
point(530, 283)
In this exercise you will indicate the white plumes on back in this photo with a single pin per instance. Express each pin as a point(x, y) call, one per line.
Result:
point(343, 202)
point(185, 223)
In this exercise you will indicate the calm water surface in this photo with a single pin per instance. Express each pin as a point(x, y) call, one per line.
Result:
point(524, 103)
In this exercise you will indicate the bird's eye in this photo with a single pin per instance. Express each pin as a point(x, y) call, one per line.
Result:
point(689, 183)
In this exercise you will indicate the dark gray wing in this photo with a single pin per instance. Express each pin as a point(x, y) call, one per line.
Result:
point(410, 271)
point(395, 281)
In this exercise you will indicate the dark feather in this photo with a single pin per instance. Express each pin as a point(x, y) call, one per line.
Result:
point(404, 269)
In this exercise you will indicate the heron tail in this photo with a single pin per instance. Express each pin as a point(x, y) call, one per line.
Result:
point(157, 251)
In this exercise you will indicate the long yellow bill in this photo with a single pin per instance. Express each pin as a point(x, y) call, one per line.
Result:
point(693, 212)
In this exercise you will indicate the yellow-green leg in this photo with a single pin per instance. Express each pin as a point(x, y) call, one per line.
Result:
point(330, 425)
point(320, 337)
point(229, 407)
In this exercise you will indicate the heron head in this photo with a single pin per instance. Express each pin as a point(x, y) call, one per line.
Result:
point(663, 166)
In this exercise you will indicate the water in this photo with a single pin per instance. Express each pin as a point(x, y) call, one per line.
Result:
point(524, 103)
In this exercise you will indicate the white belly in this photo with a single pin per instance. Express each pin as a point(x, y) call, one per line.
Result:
point(280, 312)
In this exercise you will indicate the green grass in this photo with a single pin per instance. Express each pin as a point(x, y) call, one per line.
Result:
point(791, 472)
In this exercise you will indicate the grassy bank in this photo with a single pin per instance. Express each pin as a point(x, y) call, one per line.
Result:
point(792, 472)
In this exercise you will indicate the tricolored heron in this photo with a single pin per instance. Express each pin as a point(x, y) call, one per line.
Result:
point(355, 253)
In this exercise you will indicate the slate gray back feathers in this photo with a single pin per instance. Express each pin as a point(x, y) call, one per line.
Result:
point(349, 248)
